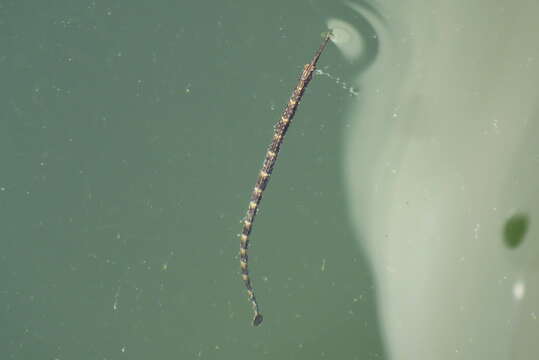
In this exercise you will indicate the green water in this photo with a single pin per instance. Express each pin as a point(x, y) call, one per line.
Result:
point(131, 134)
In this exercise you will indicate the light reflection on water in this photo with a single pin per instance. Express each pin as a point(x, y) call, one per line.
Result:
point(441, 157)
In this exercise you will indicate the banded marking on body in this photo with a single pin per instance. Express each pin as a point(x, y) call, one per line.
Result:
point(263, 177)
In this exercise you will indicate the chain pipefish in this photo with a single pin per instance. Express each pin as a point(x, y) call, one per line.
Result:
point(269, 162)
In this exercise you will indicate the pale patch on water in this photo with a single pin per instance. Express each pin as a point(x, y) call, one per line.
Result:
point(346, 38)
point(519, 289)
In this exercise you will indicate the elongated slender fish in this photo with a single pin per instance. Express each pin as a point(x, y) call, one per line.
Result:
point(263, 177)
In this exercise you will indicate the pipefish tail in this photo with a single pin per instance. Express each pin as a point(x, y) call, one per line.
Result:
point(267, 168)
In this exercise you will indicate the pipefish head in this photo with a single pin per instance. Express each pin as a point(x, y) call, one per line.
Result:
point(327, 34)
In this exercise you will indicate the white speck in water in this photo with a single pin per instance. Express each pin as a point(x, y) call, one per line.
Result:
point(346, 38)
point(495, 126)
point(519, 290)
point(323, 267)
point(476, 231)
point(115, 304)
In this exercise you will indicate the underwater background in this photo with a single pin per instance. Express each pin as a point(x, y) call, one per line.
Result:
point(399, 222)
